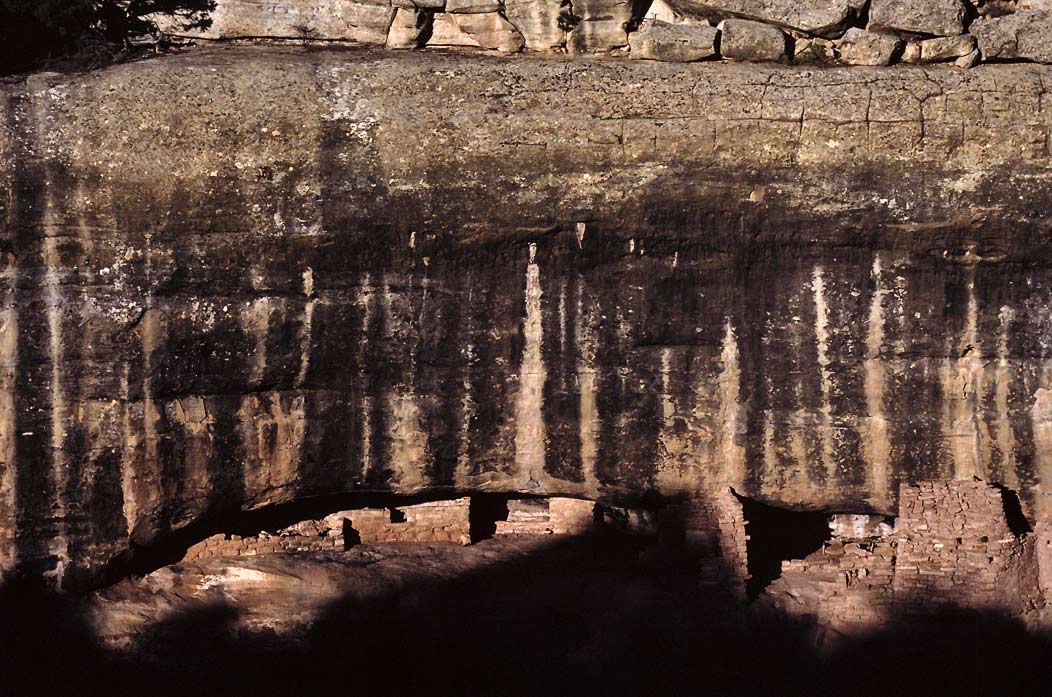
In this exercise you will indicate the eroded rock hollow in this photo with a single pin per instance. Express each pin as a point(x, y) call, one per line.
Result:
point(244, 276)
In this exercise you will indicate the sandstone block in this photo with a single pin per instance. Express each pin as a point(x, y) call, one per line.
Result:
point(472, 6)
point(936, 17)
point(861, 47)
point(744, 40)
point(676, 12)
point(361, 21)
point(542, 23)
point(1023, 35)
point(491, 30)
point(946, 48)
point(822, 17)
point(678, 43)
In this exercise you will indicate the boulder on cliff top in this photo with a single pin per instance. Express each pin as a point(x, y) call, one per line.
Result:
point(541, 22)
point(861, 47)
point(822, 17)
point(935, 17)
point(679, 43)
point(744, 40)
point(1024, 35)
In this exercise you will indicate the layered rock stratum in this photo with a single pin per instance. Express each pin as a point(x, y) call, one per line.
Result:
point(243, 276)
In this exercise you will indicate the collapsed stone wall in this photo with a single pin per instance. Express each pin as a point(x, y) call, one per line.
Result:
point(433, 521)
point(851, 32)
point(552, 516)
point(952, 549)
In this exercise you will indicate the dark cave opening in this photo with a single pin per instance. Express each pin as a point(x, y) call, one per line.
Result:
point(777, 535)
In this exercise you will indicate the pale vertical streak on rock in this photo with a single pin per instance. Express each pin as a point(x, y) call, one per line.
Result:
point(1041, 426)
point(770, 480)
point(731, 410)
point(256, 319)
point(147, 488)
point(467, 401)
point(8, 478)
point(366, 296)
point(529, 415)
point(128, 446)
point(670, 476)
point(305, 329)
point(875, 440)
point(589, 412)
point(960, 379)
point(59, 465)
point(1005, 437)
point(818, 289)
point(409, 442)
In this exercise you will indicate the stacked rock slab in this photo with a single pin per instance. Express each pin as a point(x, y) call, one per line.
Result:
point(935, 29)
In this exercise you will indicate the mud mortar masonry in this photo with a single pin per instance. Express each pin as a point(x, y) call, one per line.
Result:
point(243, 276)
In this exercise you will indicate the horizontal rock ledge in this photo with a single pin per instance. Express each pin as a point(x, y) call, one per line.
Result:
point(241, 276)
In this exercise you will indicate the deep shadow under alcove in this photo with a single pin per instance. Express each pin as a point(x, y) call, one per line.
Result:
point(777, 535)
point(598, 614)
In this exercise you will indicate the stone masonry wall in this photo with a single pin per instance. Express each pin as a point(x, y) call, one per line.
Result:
point(955, 547)
point(554, 516)
point(952, 548)
point(713, 527)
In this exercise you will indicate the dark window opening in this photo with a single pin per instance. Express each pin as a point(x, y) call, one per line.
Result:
point(397, 515)
point(486, 510)
point(777, 535)
point(351, 537)
point(1014, 515)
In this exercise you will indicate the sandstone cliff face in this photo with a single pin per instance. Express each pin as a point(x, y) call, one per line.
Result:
point(244, 276)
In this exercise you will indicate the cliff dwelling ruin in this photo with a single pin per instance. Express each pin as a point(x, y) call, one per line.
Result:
point(523, 347)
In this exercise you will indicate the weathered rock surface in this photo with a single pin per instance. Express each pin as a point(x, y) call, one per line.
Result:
point(359, 21)
point(445, 32)
point(539, 22)
point(681, 43)
point(820, 17)
point(243, 276)
point(946, 48)
point(409, 28)
point(744, 40)
point(938, 17)
point(490, 30)
point(601, 26)
point(861, 47)
point(1024, 35)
